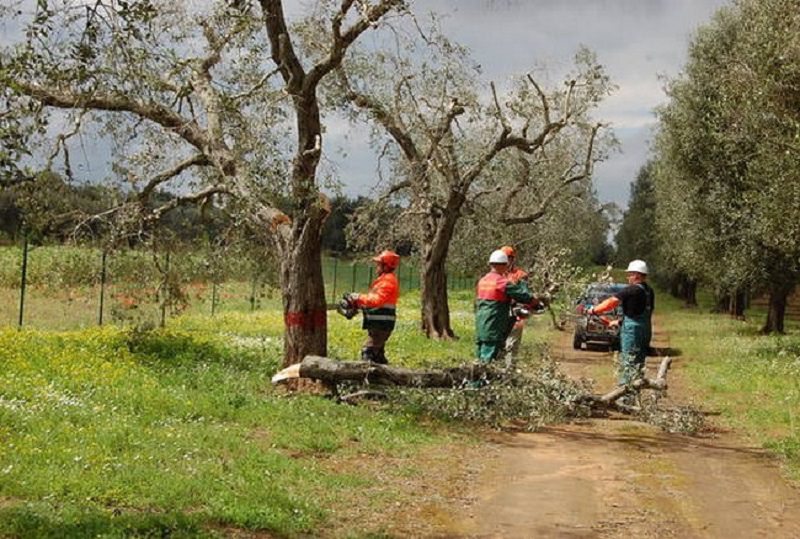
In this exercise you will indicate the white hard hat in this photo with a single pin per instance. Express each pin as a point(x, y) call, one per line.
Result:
point(498, 257)
point(639, 266)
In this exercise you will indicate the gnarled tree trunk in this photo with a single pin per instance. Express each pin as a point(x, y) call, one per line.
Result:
point(433, 273)
point(435, 307)
point(689, 292)
point(305, 317)
point(777, 308)
point(737, 305)
point(303, 291)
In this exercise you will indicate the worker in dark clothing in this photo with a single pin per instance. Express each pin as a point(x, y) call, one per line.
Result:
point(638, 302)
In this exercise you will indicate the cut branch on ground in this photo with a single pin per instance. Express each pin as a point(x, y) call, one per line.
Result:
point(567, 395)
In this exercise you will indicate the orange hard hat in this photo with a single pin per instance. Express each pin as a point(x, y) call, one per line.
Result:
point(390, 259)
point(508, 250)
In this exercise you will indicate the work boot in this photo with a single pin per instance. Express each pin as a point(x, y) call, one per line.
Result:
point(367, 354)
point(380, 357)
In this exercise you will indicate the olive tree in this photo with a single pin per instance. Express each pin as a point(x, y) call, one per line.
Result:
point(441, 127)
point(211, 100)
point(727, 155)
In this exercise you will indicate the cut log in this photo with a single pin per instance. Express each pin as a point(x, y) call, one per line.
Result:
point(609, 400)
point(334, 371)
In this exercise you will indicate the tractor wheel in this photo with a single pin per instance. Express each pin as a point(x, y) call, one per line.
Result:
point(577, 342)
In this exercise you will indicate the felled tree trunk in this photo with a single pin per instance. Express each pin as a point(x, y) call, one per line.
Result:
point(609, 400)
point(331, 372)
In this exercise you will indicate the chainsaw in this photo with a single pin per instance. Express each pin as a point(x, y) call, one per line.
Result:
point(344, 307)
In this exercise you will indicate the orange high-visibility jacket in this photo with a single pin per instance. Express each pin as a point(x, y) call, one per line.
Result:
point(380, 303)
point(516, 275)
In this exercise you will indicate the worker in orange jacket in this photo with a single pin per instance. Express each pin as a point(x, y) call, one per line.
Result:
point(515, 274)
point(379, 306)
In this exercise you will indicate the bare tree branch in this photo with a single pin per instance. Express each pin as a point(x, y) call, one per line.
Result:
point(454, 110)
point(390, 122)
point(568, 101)
point(61, 145)
point(523, 176)
point(166, 175)
point(543, 98)
point(566, 179)
point(193, 198)
point(189, 130)
point(216, 43)
point(341, 41)
point(500, 115)
point(484, 192)
point(283, 53)
point(202, 80)
point(256, 87)
point(506, 140)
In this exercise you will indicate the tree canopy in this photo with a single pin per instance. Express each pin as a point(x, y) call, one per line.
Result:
point(727, 158)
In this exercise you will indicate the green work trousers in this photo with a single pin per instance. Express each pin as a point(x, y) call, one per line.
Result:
point(488, 351)
point(634, 341)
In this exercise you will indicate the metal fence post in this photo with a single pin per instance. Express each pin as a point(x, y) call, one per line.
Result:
point(370, 275)
point(253, 294)
point(335, 269)
point(102, 288)
point(165, 291)
point(213, 296)
point(353, 287)
point(24, 278)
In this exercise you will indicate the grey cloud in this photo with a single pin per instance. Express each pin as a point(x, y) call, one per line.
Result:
point(637, 40)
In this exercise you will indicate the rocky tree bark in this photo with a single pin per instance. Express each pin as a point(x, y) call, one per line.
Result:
point(208, 95)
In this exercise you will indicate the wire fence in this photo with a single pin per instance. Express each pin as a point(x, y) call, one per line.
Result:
point(61, 287)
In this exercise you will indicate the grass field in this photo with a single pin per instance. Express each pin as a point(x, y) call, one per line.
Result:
point(63, 285)
point(751, 379)
point(117, 432)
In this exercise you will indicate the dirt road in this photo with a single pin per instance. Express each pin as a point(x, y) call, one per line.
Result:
point(610, 478)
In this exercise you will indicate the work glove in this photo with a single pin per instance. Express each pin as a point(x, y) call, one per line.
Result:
point(346, 307)
point(520, 311)
point(352, 298)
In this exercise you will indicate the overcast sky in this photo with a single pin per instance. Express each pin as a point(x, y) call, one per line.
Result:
point(638, 41)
